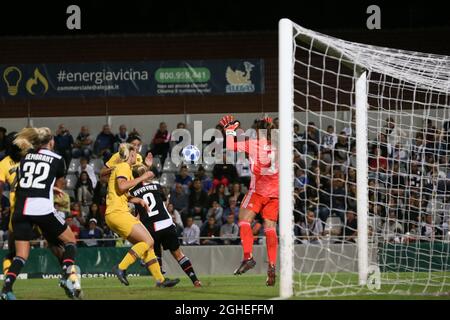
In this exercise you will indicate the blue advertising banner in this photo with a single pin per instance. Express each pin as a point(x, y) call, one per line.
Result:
point(145, 78)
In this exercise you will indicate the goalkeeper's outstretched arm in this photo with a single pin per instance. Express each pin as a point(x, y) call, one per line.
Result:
point(230, 125)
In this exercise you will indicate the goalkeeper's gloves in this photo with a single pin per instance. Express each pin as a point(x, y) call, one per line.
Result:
point(229, 124)
point(267, 119)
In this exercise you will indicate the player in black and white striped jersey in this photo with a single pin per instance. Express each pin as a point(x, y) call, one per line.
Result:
point(38, 171)
point(158, 222)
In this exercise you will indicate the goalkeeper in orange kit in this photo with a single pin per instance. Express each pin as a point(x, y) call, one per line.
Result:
point(262, 196)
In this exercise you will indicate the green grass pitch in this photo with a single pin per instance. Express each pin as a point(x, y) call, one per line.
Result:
point(214, 287)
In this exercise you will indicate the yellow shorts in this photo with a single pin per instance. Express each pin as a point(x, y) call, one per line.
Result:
point(121, 222)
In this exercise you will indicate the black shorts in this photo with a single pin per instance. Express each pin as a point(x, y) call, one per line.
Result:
point(166, 237)
point(54, 241)
point(50, 225)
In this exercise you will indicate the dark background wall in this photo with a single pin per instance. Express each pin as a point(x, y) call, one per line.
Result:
point(137, 48)
point(182, 46)
point(35, 32)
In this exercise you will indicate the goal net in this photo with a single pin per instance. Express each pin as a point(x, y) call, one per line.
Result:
point(364, 167)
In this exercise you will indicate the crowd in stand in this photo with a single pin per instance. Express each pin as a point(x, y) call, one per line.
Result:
point(408, 186)
point(409, 198)
point(203, 203)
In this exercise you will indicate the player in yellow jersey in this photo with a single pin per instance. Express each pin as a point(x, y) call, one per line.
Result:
point(8, 167)
point(120, 220)
point(134, 140)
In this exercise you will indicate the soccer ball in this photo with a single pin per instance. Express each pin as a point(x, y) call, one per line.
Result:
point(191, 153)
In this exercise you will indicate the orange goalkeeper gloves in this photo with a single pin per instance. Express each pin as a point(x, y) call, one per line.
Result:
point(229, 124)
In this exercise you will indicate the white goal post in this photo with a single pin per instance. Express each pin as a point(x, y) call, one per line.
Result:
point(368, 191)
point(285, 114)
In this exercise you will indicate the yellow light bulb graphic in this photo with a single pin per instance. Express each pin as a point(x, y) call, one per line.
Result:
point(12, 77)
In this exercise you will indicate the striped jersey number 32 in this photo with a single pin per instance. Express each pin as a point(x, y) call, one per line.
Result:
point(34, 174)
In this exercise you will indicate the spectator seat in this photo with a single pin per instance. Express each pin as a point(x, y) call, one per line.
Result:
point(167, 179)
point(74, 165)
point(97, 164)
point(71, 181)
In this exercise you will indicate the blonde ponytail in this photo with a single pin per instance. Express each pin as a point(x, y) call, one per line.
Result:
point(124, 151)
point(26, 138)
point(32, 138)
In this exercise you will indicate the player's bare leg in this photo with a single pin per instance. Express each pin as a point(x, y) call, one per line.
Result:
point(272, 247)
point(186, 265)
point(142, 241)
point(142, 248)
point(246, 217)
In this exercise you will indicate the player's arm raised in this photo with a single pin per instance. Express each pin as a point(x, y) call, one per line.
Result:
point(230, 125)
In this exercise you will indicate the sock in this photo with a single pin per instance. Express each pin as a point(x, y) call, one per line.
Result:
point(136, 252)
point(14, 270)
point(68, 258)
point(151, 262)
point(272, 245)
point(6, 265)
point(246, 238)
point(186, 265)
